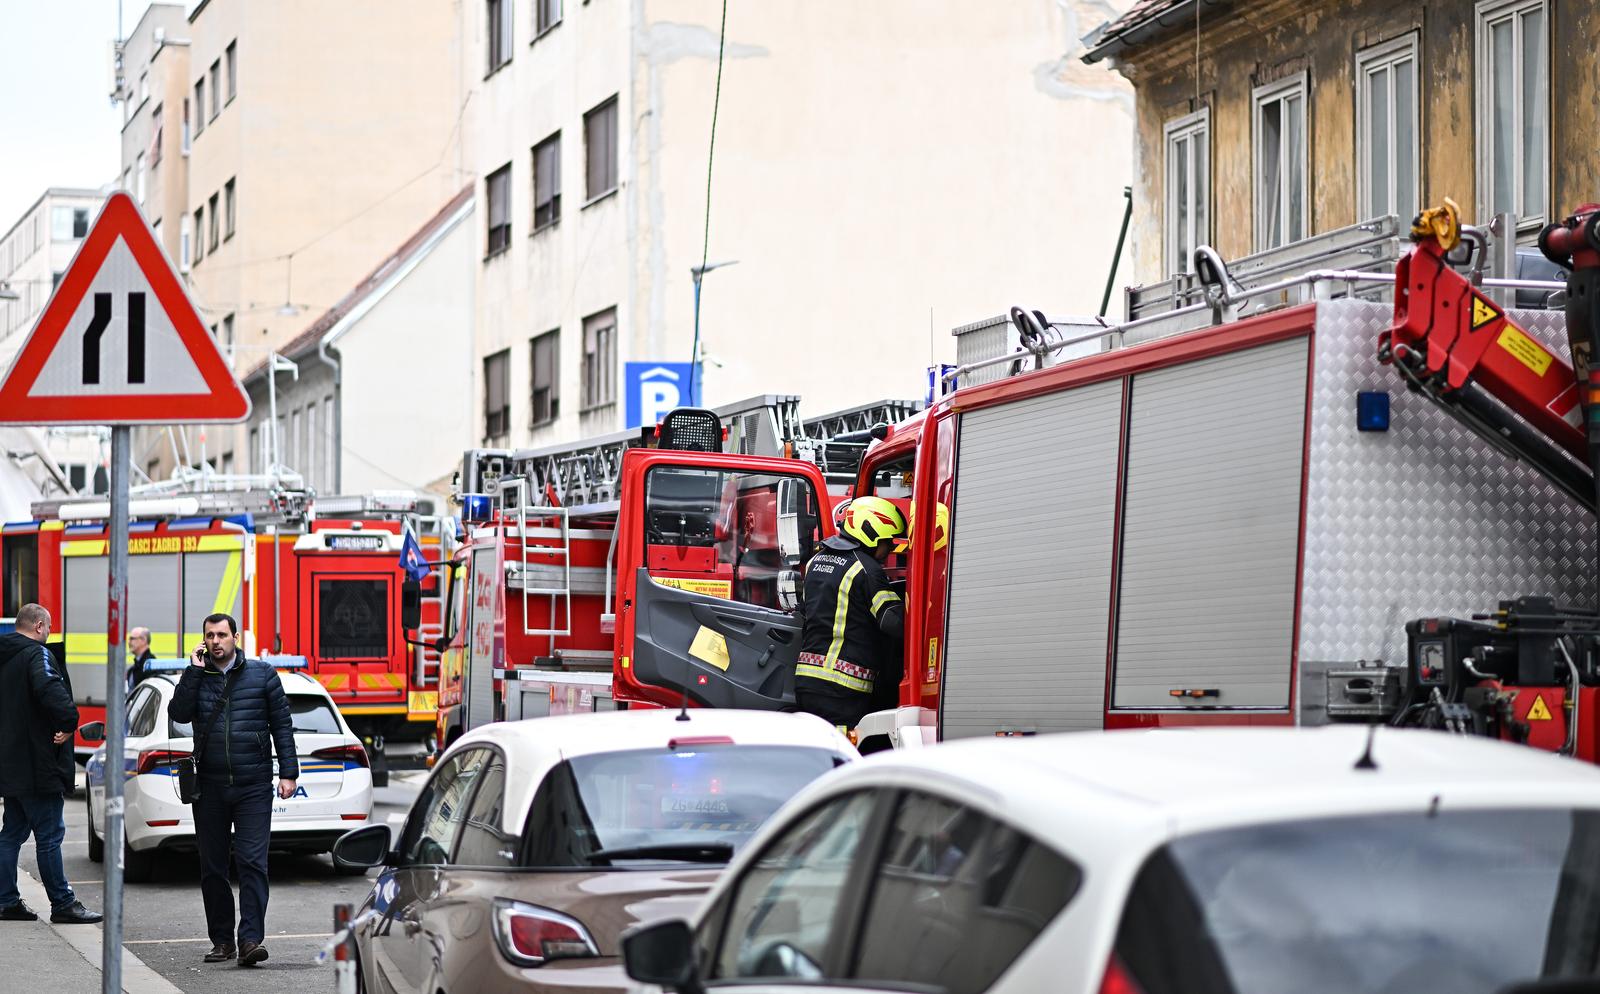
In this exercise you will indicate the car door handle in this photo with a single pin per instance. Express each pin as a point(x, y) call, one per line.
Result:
point(766, 657)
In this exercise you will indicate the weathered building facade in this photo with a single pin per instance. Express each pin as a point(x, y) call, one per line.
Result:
point(1263, 121)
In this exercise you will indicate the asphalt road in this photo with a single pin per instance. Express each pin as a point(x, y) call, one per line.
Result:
point(165, 926)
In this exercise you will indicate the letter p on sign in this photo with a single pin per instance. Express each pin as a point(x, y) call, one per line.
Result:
point(654, 388)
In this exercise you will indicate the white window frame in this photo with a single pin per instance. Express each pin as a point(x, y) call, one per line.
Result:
point(1189, 127)
point(1296, 85)
point(1490, 12)
point(1386, 56)
point(184, 229)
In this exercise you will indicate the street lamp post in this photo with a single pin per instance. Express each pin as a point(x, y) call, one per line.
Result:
point(699, 272)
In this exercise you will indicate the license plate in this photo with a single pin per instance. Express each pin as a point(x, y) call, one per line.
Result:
point(694, 806)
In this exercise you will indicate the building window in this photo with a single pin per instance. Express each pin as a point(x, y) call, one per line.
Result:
point(228, 208)
point(600, 148)
point(1513, 110)
point(144, 87)
point(547, 14)
point(184, 235)
point(600, 359)
point(233, 70)
point(331, 455)
point(498, 193)
point(68, 223)
point(216, 90)
point(227, 337)
point(497, 395)
point(546, 369)
point(547, 182)
point(311, 469)
point(185, 136)
point(156, 133)
point(257, 456)
point(215, 225)
point(199, 233)
point(1386, 129)
point(138, 179)
point(1280, 162)
point(199, 106)
point(499, 16)
point(1188, 220)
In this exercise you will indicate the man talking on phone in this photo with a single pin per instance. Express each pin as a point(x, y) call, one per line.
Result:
point(237, 707)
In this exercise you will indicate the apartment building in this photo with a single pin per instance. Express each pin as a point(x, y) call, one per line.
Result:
point(314, 138)
point(34, 253)
point(1263, 122)
point(882, 173)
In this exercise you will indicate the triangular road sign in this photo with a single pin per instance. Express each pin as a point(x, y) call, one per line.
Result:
point(120, 341)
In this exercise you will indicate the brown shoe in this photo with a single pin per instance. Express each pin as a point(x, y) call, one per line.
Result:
point(251, 953)
point(220, 952)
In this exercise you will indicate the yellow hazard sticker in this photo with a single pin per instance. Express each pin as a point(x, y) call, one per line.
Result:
point(1539, 712)
point(710, 647)
point(711, 588)
point(1525, 350)
point(1482, 312)
point(933, 661)
point(422, 702)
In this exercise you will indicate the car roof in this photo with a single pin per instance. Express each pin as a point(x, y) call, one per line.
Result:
point(533, 746)
point(294, 682)
point(1197, 778)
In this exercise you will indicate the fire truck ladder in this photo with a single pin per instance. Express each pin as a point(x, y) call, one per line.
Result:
point(266, 506)
point(541, 571)
point(588, 474)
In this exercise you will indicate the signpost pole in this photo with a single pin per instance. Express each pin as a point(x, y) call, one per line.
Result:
point(116, 694)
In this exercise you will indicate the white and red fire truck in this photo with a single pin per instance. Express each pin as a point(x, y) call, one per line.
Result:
point(304, 576)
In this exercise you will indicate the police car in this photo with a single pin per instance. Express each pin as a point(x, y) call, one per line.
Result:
point(332, 795)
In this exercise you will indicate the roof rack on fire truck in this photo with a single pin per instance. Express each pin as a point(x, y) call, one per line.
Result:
point(269, 505)
point(588, 472)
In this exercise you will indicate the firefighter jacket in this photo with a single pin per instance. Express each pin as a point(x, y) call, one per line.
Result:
point(35, 703)
point(853, 621)
point(239, 748)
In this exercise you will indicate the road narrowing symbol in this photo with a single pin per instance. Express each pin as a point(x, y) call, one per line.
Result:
point(119, 341)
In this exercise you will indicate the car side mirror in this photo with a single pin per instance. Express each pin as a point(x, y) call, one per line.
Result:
point(662, 953)
point(94, 731)
point(410, 605)
point(362, 848)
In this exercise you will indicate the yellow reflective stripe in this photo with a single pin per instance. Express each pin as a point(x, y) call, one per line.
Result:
point(86, 648)
point(881, 598)
point(228, 589)
point(832, 676)
point(219, 543)
point(84, 547)
point(841, 611)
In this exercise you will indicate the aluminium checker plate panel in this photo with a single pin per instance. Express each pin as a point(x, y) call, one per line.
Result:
point(1423, 520)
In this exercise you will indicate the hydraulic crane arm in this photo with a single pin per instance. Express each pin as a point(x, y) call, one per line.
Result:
point(1451, 336)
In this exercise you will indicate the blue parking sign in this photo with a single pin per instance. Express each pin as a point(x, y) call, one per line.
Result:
point(654, 388)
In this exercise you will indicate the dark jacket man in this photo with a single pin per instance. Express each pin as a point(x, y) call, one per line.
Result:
point(238, 710)
point(37, 719)
point(35, 703)
point(239, 749)
point(853, 617)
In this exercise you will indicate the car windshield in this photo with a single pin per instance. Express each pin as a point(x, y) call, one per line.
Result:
point(1443, 901)
point(695, 804)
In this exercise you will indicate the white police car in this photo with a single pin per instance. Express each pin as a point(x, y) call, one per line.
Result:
point(332, 796)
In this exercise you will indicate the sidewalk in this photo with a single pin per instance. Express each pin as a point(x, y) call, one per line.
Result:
point(41, 958)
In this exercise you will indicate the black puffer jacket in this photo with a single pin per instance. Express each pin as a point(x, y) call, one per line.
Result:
point(35, 703)
point(239, 749)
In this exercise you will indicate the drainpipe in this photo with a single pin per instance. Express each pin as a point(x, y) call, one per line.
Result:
point(331, 358)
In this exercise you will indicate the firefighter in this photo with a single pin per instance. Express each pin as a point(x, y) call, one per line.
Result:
point(854, 619)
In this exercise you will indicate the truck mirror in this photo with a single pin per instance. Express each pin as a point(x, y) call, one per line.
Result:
point(410, 605)
point(790, 498)
point(789, 590)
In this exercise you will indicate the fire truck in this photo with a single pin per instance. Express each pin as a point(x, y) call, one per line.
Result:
point(649, 568)
point(304, 576)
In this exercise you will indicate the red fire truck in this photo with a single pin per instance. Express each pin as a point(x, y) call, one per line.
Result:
point(326, 586)
point(646, 568)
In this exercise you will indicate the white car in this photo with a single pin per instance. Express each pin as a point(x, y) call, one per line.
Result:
point(332, 796)
point(1222, 861)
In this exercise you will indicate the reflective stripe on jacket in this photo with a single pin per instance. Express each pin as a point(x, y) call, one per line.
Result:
point(849, 609)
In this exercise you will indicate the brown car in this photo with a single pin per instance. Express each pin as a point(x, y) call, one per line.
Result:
point(535, 843)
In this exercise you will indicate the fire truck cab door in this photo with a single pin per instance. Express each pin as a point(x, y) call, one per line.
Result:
point(725, 653)
point(714, 576)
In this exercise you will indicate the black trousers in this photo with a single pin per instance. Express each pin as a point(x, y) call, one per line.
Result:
point(844, 710)
point(236, 819)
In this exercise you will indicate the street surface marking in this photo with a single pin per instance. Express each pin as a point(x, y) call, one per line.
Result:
point(137, 978)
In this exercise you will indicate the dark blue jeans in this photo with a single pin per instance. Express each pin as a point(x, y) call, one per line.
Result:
point(239, 819)
point(39, 815)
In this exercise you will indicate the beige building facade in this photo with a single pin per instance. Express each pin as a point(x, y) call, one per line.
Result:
point(882, 173)
point(314, 137)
